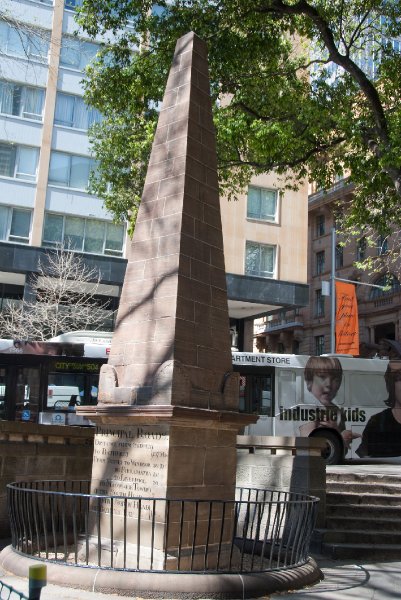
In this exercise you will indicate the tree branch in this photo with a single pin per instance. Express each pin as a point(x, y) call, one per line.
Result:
point(302, 7)
point(319, 149)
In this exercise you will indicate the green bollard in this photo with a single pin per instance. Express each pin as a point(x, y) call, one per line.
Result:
point(37, 580)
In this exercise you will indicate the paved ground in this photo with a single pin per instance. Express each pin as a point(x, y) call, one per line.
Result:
point(343, 580)
point(347, 580)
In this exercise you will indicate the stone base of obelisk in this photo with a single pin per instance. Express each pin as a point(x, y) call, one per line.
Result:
point(117, 555)
point(168, 480)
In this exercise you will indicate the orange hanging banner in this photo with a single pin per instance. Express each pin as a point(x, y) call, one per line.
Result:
point(347, 324)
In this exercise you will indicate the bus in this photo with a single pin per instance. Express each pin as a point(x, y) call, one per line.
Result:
point(354, 404)
point(42, 382)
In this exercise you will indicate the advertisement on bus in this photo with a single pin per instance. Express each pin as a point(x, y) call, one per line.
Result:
point(354, 404)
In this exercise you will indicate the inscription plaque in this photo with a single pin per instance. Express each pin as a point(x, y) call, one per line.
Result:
point(130, 461)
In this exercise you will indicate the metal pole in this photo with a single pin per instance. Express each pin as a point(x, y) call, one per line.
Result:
point(333, 280)
point(333, 293)
point(37, 580)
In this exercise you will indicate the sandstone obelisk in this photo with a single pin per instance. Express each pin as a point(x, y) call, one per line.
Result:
point(167, 417)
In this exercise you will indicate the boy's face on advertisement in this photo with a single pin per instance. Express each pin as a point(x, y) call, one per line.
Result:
point(325, 386)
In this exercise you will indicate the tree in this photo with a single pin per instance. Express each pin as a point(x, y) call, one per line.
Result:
point(64, 291)
point(314, 89)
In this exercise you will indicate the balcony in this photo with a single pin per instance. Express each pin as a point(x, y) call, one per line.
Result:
point(324, 196)
point(280, 324)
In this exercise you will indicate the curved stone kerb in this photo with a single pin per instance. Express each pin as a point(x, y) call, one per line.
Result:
point(163, 585)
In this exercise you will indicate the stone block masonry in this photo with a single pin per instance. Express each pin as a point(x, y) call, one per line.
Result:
point(168, 416)
point(32, 452)
point(172, 323)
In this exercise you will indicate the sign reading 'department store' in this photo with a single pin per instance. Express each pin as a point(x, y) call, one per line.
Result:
point(130, 461)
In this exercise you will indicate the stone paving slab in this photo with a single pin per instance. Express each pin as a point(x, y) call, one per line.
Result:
point(374, 466)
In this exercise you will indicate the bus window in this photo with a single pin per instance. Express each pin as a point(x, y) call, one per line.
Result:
point(242, 386)
point(264, 399)
point(367, 390)
point(256, 395)
point(27, 393)
point(62, 387)
point(286, 389)
point(2, 393)
point(93, 388)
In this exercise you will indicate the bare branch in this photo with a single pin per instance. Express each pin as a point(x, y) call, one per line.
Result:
point(65, 290)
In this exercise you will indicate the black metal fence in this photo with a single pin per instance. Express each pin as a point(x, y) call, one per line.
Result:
point(261, 530)
point(7, 592)
point(37, 580)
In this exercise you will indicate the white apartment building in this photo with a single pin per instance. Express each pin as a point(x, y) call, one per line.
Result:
point(44, 153)
point(44, 168)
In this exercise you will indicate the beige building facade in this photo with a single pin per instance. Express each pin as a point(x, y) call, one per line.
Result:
point(265, 243)
point(45, 159)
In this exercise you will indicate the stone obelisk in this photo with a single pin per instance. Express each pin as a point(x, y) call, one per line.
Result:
point(167, 416)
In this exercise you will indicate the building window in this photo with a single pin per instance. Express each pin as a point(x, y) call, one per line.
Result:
point(15, 224)
point(76, 53)
point(262, 204)
point(69, 170)
point(26, 44)
point(260, 259)
point(319, 304)
point(71, 111)
point(10, 295)
point(21, 100)
point(390, 285)
point(339, 256)
point(320, 225)
point(382, 245)
point(361, 249)
point(18, 161)
point(84, 235)
point(320, 260)
point(319, 345)
point(72, 4)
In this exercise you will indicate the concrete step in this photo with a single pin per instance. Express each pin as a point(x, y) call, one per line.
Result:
point(371, 512)
point(368, 537)
point(376, 478)
point(363, 517)
point(362, 551)
point(362, 522)
point(359, 487)
point(374, 499)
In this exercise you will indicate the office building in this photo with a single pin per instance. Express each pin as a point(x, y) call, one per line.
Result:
point(379, 310)
point(309, 330)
